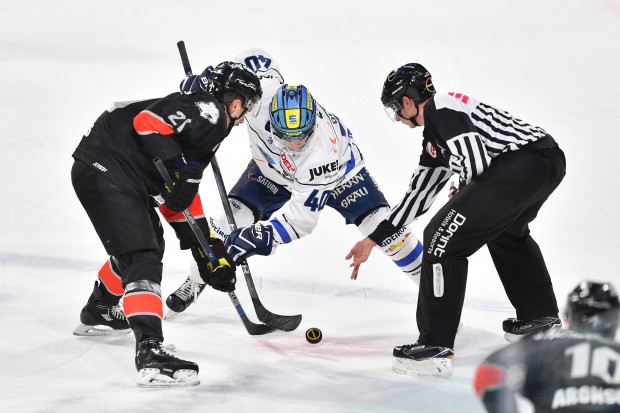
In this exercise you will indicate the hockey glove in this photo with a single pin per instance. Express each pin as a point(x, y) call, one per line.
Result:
point(186, 176)
point(221, 277)
point(242, 243)
point(196, 83)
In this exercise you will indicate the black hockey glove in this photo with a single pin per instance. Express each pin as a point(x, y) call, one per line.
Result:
point(245, 242)
point(221, 277)
point(186, 176)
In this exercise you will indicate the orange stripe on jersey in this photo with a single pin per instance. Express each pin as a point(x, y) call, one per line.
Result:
point(147, 123)
point(110, 279)
point(171, 216)
point(488, 376)
point(143, 303)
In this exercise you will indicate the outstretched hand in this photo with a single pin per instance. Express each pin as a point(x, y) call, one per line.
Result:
point(360, 253)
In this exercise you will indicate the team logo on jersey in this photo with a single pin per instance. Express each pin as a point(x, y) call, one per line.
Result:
point(327, 170)
point(209, 111)
point(288, 164)
point(431, 150)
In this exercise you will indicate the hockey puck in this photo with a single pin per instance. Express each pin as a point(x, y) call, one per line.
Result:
point(313, 335)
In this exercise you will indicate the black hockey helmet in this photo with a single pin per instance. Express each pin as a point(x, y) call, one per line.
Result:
point(593, 307)
point(229, 80)
point(411, 80)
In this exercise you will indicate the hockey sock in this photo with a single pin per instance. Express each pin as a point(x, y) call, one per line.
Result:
point(144, 309)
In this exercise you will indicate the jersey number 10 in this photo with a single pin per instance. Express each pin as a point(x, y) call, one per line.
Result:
point(596, 363)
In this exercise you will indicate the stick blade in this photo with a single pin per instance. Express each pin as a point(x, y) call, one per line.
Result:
point(280, 322)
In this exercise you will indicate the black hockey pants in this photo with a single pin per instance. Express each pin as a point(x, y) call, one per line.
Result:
point(494, 209)
point(131, 231)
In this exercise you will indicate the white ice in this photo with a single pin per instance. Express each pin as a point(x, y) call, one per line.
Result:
point(553, 63)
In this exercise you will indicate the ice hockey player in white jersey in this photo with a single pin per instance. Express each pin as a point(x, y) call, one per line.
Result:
point(303, 159)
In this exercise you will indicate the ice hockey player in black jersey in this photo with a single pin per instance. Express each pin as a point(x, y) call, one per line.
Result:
point(575, 370)
point(507, 169)
point(119, 186)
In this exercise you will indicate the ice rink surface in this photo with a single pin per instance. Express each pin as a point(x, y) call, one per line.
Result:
point(553, 63)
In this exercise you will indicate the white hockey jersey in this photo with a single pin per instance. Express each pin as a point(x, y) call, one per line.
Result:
point(329, 158)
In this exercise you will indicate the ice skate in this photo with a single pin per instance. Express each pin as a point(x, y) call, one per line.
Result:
point(100, 319)
point(183, 297)
point(423, 360)
point(158, 368)
point(516, 329)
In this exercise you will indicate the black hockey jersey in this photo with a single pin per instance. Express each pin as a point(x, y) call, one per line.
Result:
point(461, 135)
point(556, 371)
point(127, 137)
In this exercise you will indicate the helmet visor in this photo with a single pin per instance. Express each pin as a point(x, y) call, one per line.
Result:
point(294, 143)
point(249, 103)
point(292, 137)
point(392, 108)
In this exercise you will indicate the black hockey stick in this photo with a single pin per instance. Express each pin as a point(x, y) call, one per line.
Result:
point(281, 322)
point(252, 328)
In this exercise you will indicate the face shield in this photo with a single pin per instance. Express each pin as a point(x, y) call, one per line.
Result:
point(295, 143)
point(249, 104)
point(392, 108)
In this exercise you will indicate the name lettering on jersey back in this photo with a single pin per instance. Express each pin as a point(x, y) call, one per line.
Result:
point(327, 170)
point(585, 395)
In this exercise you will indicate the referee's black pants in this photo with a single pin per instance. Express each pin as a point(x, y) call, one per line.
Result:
point(493, 209)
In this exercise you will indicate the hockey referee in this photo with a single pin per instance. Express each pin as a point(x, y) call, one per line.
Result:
point(507, 169)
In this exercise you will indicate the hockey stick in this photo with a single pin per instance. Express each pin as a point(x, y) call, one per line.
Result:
point(281, 322)
point(252, 328)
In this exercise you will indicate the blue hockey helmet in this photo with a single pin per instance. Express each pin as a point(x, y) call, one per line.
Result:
point(292, 113)
point(593, 307)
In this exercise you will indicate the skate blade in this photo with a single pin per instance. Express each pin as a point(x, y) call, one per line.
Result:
point(152, 378)
point(97, 331)
point(513, 338)
point(171, 315)
point(440, 367)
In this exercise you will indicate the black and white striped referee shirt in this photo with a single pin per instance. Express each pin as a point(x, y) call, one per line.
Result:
point(461, 135)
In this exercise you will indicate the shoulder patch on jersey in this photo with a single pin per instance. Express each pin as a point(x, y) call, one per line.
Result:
point(454, 101)
point(209, 111)
point(431, 150)
point(462, 97)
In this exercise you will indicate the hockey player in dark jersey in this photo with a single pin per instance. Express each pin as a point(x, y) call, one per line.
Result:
point(507, 169)
point(575, 370)
point(119, 186)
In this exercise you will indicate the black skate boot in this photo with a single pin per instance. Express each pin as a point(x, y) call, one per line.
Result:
point(100, 319)
point(158, 368)
point(184, 296)
point(516, 329)
point(423, 360)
